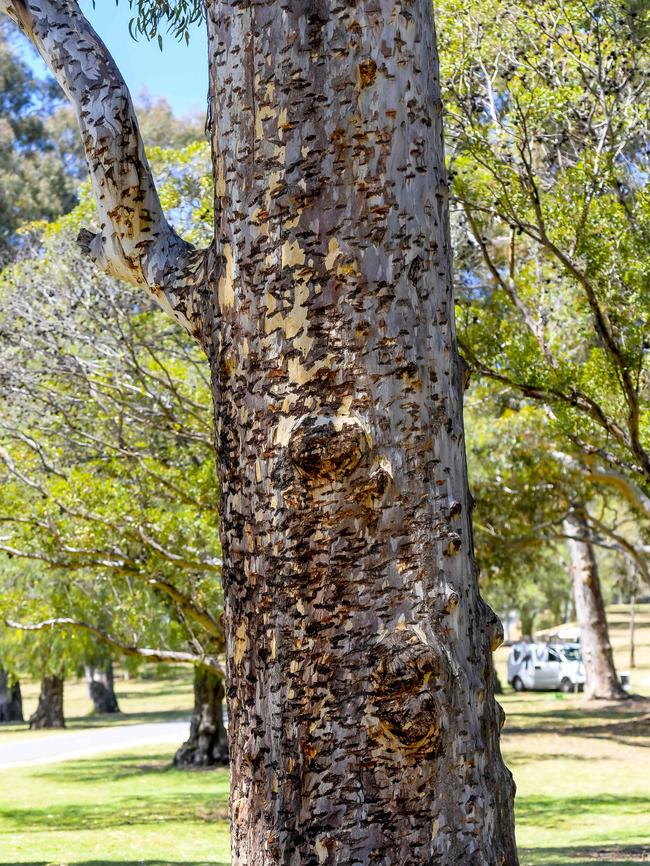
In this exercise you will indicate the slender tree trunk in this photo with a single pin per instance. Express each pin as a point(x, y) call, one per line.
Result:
point(601, 678)
point(101, 688)
point(363, 726)
point(632, 631)
point(527, 622)
point(207, 745)
point(49, 712)
point(11, 702)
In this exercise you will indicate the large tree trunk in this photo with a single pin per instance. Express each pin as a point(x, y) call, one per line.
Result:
point(207, 745)
point(101, 688)
point(49, 712)
point(363, 726)
point(600, 673)
point(11, 702)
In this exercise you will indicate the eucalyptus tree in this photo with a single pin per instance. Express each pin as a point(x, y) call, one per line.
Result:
point(549, 140)
point(363, 726)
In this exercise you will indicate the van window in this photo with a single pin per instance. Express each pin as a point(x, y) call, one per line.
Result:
point(573, 654)
point(516, 654)
point(553, 656)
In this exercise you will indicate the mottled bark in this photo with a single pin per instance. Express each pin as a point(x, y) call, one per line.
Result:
point(49, 712)
point(600, 673)
point(363, 726)
point(101, 688)
point(207, 745)
point(11, 702)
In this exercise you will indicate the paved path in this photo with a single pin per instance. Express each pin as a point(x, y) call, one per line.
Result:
point(81, 744)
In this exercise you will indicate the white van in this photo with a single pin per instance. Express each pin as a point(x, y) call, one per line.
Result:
point(541, 666)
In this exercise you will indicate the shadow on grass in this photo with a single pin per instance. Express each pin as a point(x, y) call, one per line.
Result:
point(626, 724)
point(608, 855)
point(519, 759)
point(118, 863)
point(113, 768)
point(109, 768)
point(551, 812)
point(140, 811)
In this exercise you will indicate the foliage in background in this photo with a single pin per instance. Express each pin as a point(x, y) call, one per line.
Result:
point(106, 455)
point(34, 183)
point(548, 138)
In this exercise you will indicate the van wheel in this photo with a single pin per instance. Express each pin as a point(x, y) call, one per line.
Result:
point(518, 684)
point(566, 685)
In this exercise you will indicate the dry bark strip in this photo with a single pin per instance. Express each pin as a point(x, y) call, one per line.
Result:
point(363, 727)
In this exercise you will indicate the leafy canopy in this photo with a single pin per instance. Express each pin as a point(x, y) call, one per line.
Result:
point(153, 15)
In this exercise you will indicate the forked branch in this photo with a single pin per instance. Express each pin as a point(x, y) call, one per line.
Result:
point(135, 242)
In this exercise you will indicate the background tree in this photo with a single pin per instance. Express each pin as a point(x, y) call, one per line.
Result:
point(549, 139)
point(108, 459)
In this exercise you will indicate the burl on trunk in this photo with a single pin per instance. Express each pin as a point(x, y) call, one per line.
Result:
point(362, 722)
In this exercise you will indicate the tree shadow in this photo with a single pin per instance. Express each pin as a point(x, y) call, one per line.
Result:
point(120, 863)
point(103, 720)
point(605, 855)
point(553, 812)
point(144, 810)
point(112, 768)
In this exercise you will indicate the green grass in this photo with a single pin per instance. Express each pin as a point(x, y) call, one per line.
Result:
point(582, 773)
point(131, 808)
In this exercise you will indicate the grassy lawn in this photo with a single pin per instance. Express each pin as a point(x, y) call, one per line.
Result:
point(119, 809)
point(583, 778)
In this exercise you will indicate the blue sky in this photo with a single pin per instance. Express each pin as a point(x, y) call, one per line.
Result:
point(179, 72)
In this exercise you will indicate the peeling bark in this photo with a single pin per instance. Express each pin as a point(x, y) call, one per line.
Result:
point(11, 702)
point(207, 745)
point(49, 712)
point(363, 726)
point(101, 688)
point(601, 678)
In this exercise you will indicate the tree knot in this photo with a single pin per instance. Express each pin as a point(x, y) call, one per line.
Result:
point(327, 447)
point(406, 680)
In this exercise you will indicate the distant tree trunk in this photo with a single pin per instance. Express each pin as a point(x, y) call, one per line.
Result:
point(527, 622)
point(100, 688)
point(632, 631)
point(601, 678)
point(207, 745)
point(11, 702)
point(49, 712)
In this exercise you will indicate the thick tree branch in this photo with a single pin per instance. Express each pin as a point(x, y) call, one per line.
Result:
point(151, 655)
point(135, 243)
point(190, 609)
